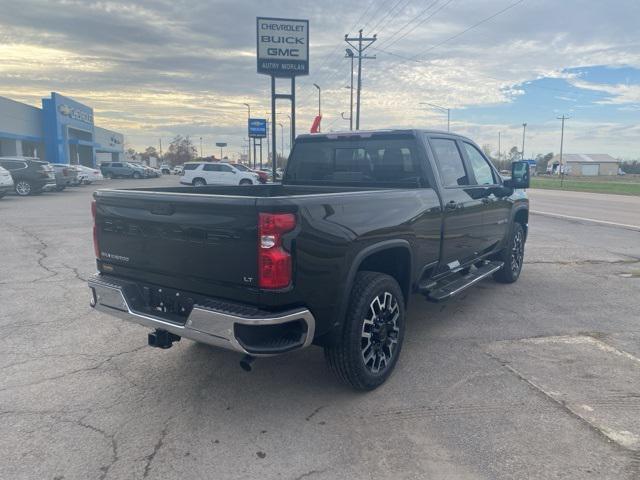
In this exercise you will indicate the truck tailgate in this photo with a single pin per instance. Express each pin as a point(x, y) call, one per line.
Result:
point(208, 238)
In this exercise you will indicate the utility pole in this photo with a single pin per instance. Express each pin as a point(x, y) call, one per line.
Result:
point(160, 141)
point(524, 129)
point(349, 54)
point(499, 148)
point(562, 169)
point(363, 44)
point(201, 156)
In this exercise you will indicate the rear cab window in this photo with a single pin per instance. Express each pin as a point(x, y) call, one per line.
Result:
point(357, 160)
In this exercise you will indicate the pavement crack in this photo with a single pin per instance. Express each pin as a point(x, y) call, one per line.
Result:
point(110, 439)
point(309, 473)
point(313, 414)
point(156, 448)
point(73, 372)
point(41, 251)
point(76, 273)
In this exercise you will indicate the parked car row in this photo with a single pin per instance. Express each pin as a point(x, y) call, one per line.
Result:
point(30, 176)
point(128, 170)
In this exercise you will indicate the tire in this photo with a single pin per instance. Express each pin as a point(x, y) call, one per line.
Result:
point(246, 181)
point(136, 175)
point(199, 182)
point(24, 188)
point(108, 175)
point(512, 256)
point(59, 189)
point(356, 359)
point(2, 194)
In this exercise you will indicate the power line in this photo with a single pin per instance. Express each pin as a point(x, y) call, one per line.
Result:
point(414, 58)
point(424, 20)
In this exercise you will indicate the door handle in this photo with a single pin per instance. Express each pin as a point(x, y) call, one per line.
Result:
point(452, 205)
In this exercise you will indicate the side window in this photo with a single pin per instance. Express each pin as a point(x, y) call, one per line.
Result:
point(116, 164)
point(225, 168)
point(449, 162)
point(191, 166)
point(481, 169)
point(210, 167)
point(12, 165)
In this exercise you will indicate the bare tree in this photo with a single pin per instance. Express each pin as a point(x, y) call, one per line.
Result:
point(181, 150)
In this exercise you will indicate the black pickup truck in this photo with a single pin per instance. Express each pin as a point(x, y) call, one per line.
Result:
point(328, 257)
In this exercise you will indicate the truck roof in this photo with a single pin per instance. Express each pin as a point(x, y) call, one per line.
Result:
point(369, 133)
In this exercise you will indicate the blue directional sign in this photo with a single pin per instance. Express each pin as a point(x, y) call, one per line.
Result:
point(257, 128)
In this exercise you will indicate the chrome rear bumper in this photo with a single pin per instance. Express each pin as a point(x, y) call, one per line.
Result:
point(204, 324)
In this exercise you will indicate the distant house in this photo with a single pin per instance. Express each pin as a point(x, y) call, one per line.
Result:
point(584, 164)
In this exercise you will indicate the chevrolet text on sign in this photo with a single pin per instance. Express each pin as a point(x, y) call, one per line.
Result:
point(283, 47)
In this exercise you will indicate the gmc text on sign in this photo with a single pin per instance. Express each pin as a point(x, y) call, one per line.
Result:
point(283, 46)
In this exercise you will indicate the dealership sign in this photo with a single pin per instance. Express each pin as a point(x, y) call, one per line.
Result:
point(76, 114)
point(257, 127)
point(283, 47)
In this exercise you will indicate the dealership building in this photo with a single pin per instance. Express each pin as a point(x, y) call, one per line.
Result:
point(62, 131)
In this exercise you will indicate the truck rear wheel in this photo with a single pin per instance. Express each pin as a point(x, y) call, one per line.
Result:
point(370, 345)
point(512, 256)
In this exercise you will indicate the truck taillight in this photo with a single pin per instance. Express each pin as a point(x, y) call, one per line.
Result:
point(274, 262)
point(96, 247)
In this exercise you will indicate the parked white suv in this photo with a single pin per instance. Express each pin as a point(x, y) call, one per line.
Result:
point(215, 173)
point(6, 182)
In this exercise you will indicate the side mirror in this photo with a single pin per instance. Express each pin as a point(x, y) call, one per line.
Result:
point(520, 175)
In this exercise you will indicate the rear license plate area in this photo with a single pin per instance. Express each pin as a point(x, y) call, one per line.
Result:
point(167, 303)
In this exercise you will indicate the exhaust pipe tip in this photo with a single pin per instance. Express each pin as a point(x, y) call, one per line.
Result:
point(246, 362)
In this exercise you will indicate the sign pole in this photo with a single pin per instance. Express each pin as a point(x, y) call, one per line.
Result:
point(273, 128)
point(293, 110)
point(254, 153)
point(260, 154)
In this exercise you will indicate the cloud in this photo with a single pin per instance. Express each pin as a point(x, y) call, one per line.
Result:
point(619, 94)
point(159, 68)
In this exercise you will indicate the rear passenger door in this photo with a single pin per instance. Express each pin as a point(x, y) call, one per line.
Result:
point(211, 173)
point(462, 237)
point(497, 208)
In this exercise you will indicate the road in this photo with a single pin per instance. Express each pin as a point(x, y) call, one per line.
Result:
point(616, 210)
point(537, 380)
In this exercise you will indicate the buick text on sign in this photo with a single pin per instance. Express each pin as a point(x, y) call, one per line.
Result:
point(283, 47)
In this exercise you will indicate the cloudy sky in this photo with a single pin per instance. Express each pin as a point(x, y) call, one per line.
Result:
point(154, 69)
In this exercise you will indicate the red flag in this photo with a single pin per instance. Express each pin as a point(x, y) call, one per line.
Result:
point(315, 127)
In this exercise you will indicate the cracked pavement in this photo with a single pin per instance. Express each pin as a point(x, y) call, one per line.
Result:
point(83, 397)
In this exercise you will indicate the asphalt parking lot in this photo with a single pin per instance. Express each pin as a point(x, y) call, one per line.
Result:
point(539, 379)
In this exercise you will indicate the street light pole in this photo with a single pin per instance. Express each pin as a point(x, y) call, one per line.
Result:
point(351, 56)
point(319, 104)
point(281, 140)
point(524, 129)
point(444, 109)
point(201, 156)
point(562, 169)
point(254, 140)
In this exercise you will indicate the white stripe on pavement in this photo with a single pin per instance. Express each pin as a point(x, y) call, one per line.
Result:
point(571, 217)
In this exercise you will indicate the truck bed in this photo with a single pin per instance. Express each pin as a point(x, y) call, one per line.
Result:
point(262, 191)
